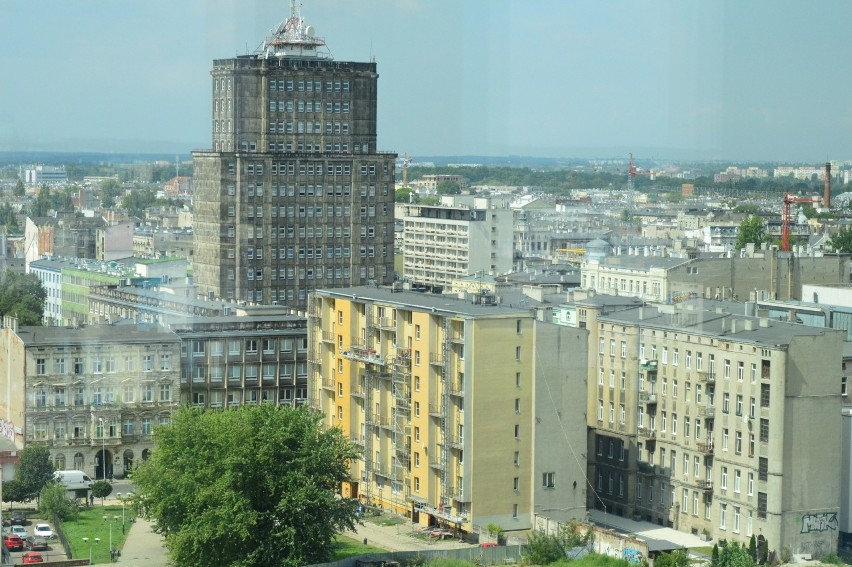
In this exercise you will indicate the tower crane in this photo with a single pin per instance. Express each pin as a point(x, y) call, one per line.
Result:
point(632, 172)
point(789, 199)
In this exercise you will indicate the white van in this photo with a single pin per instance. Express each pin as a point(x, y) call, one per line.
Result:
point(73, 480)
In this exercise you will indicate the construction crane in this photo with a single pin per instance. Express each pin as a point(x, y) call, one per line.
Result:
point(632, 172)
point(790, 199)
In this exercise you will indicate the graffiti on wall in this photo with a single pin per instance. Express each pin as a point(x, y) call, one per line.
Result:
point(632, 556)
point(682, 295)
point(819, 522)
point(7, 430)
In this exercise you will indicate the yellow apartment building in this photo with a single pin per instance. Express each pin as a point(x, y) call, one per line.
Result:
point(469, 412)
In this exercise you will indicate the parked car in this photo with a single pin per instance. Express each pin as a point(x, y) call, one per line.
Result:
point(35, 542)
point(19, 518)
point(32, 557)
point(43, 530)
point(13, 542)
point(19, 531)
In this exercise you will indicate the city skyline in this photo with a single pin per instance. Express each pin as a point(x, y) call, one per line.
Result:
point(686, 80)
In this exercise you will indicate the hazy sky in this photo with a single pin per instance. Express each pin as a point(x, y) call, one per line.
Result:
point(758, 80)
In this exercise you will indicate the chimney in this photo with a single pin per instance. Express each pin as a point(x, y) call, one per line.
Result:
point(826, 198)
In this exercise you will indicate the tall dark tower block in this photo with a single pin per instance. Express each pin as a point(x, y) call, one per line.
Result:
point(293, 194)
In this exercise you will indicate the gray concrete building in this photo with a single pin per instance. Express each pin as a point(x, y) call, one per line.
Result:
point(293, 194)
point(715, 423)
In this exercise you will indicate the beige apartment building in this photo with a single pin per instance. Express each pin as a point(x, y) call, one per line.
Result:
point(468, 413)
point(714, 423)
point(93, 395)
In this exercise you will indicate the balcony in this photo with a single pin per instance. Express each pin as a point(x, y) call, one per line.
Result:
point(456, 389)
point(435, 410)
point(648, 398)
point(705, 448)
point(357, 392)
point(436, 358)
point(328, 337)
point(647, 433)
point(706, 485)
point(707, 411)
point(648, 365)
point(708, 376)
point(645, 468)
point(387, 323)
point(329, 383)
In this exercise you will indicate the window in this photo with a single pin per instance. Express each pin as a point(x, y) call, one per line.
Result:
point(517, 459)
point(761, 505)
point(517, 353)
point(764, 431)
point(750, 485)
point(764, 395)
point(763, 469)
point(165, 365)
point(146, 426)
point(148, 392)
point(724, 481)
point(739, 404)
point(726, 402)
point(737, 480)
point(725, 439)
point(517, 431)
point(147, 362)
point(723, 515)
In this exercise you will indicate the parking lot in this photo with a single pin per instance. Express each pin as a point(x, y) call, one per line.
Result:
point(24, 526)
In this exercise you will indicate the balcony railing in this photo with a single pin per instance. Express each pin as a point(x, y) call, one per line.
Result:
point(705, 484)
point(707, 376)
point(706, 448)
point(648, 397)
point(707, 411)
point(647, 433)
point(648, 365)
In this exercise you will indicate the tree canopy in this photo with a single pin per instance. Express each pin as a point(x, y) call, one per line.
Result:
point(543, 549)
point(34, 469)
point(841, 241)
point(448, 188)
point(53, 499)
point(255, 486)
point(733, 554)
point(752, 230)
point(22, 296)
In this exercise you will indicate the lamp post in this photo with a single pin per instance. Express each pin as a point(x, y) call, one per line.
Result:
point(86, 540)
point(103, 448)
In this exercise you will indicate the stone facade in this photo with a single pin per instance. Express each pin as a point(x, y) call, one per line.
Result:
point(293, 195)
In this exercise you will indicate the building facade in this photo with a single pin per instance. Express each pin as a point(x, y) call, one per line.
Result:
point(711, 423)
point(443, 244)
point(231, 360)
point(293, 194)
point(92, 395)
point(418, 382)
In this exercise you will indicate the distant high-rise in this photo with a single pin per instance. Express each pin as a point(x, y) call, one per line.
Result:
point(293, 194)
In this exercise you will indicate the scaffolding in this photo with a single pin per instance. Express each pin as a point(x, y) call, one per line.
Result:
point(446, 349)
point(401, 376)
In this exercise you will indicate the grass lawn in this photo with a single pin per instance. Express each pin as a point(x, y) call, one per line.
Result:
point(350, 547)
point(91, 524)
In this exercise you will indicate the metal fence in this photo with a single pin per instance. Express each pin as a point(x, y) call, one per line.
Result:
point(498, 555)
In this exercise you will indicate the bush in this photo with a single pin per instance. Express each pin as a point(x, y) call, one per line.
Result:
point(53, 500)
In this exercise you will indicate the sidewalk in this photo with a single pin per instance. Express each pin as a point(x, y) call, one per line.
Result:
point(143, 547)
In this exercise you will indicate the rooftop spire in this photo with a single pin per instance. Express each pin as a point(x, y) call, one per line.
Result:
point(293, 38)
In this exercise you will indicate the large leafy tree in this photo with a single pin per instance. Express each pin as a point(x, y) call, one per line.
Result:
point(752, 231)
point(53, 499)
point(256, 486)
point(841, 241)
point(34, 469)
point(22, 296)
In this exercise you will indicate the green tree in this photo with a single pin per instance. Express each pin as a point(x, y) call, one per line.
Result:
point(404, 195)
point(676, 558)
point(34, 469)
point(714, 557)
point(8, 218)
point(19, 188)
point(733, 554)
point(101, 489)
point(53, 499)
point(13, 491)
point(752, 230)
point(448, 188)
point(256, 486)
point(752, 547)
point(841, 241)
point(110, 190)
point(543, 549)
point(22, 296)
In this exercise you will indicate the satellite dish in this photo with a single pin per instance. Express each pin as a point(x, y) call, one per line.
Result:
point(309, 31)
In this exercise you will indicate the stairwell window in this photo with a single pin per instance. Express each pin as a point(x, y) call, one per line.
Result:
point(517, 431)
point(517, 353)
